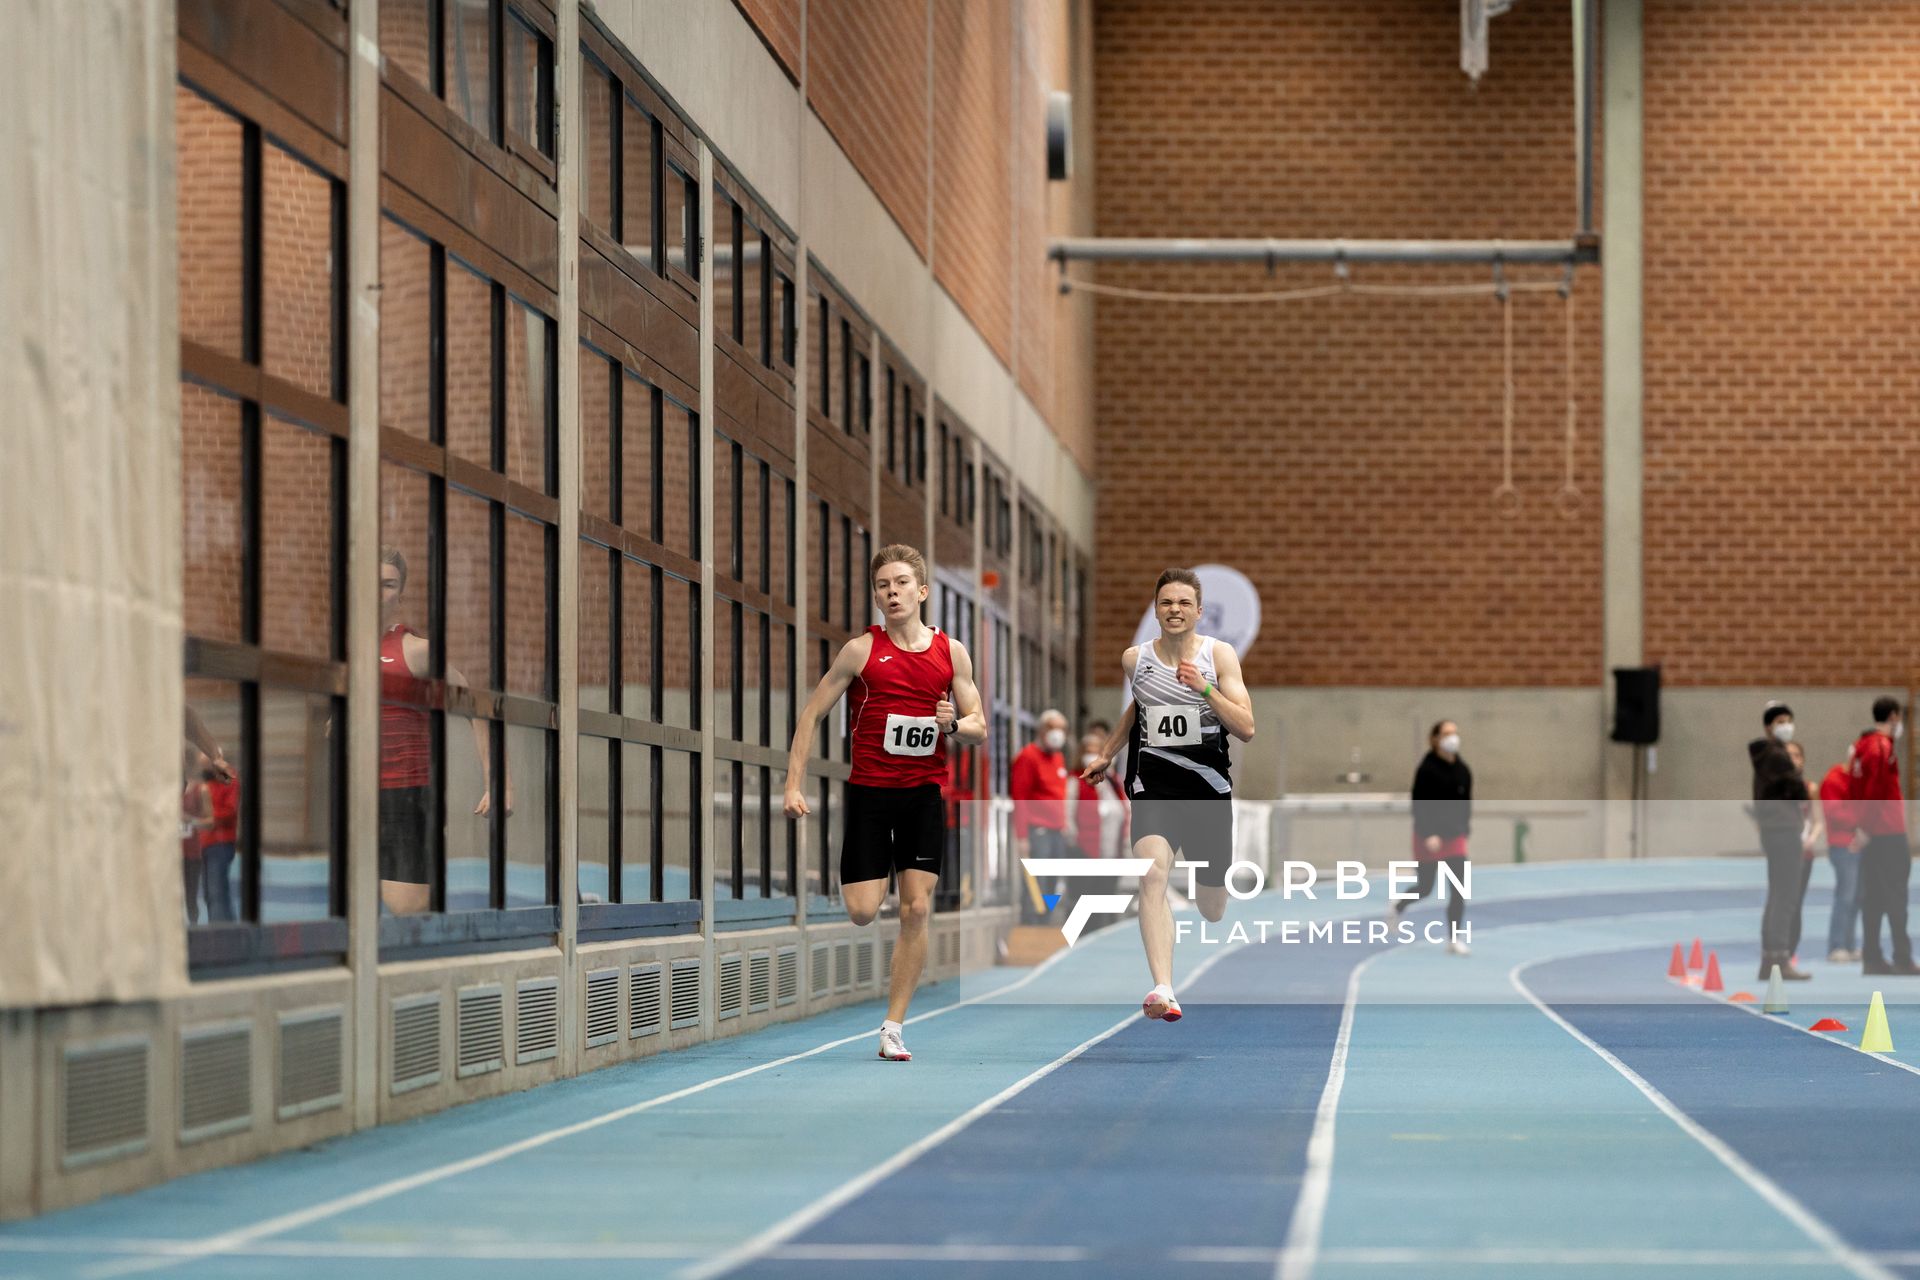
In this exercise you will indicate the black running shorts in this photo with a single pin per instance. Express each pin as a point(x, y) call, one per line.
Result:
point(1200, 829)
point(892, 829)
point(403, 834)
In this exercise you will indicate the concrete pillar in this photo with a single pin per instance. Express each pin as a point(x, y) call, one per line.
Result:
point(90, 527)
point(1621, 285)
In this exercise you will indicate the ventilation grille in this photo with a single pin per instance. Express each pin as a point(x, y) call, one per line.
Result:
point(886, 958)
point(863, 964)
point(603, 1007)
point(787, 975)
point(481, 1030)
point(732, 985)
point(536, 1020)
point(842, 966)
point(643, 1000)
point(216, 1080)
point(821, 959)
point(311, 1062)
point(416, 1041)
point(103, 1104)
point(686, 992)
point(759, 982)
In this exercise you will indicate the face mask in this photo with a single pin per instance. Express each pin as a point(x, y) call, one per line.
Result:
point(1055, 739)
point(1899, 727)
point(1783, 733)
point(1087, 758)
point(1451, 744)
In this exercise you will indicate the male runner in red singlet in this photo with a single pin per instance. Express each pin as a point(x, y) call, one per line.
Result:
point(406, 749)
point(912, 690)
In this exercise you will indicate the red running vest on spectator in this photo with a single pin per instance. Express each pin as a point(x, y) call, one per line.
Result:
point(1873, 791)
point(226, 814)
point(892, 707)
point(1038, 788)
point(1834, 794)
point(406, 732)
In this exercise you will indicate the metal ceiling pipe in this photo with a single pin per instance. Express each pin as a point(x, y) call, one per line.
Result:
point(1274, 252)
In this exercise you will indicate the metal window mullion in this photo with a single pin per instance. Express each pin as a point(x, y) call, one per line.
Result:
point(437, 669)
point(249, 814)
point(496, 729)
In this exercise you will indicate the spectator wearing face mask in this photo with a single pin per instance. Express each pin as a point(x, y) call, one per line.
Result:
point(1843, 932)
point(1442, 820)
point(1886, 861)
point(1780, 811)
point(1038, 789)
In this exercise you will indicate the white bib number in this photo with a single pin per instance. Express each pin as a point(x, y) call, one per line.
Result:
point(912, 735)
point(1172, 726)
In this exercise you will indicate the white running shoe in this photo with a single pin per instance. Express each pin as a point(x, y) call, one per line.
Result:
point(1458, 948)
point(1160, 1005)
point(1843, 956)
point(892, 1048)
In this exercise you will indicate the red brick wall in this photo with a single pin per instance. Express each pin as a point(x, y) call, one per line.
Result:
point(867, 79)
point(778, 22)
point(1041, 42)
point(1782, 239)
point(1342, 453)
point(973, 208)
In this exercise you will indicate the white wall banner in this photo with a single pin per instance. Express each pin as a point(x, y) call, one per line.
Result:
point(1229, 609)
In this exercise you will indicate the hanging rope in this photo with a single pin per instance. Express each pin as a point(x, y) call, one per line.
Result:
point(1567, 501)
point(1506, 498)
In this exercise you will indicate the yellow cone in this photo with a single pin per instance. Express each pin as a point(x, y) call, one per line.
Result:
point(1877, 1038)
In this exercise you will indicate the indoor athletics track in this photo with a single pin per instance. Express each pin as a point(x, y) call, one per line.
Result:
point(1552, 1105)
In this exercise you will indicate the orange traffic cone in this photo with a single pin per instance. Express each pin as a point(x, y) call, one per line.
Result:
point(1677, 967)
point(1740, 997)
point(1696, 961)
point(1713, 982)
point(1828, 1024)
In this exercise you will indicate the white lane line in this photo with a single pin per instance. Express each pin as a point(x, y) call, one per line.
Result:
point(1781, 1021)
point(229, 1241)
point(1810, 1225)
point(1310, 1206)
point(1236, 1255)
point(793, 1224)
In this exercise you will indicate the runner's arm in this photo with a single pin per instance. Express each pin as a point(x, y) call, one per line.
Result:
point(847, 665)
point(1230, 699)
point(971, 727)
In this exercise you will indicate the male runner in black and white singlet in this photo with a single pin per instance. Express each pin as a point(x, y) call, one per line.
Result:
point(1186, 697)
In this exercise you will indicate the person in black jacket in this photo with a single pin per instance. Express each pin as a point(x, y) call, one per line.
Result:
point(1780, 810)
point(1442, 819)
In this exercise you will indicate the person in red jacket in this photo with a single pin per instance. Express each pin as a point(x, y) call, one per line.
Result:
point(217, 843)
point(1037, 785)
point(1886, 860)
point(1842, 931)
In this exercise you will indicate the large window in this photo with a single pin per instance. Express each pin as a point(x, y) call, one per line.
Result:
point(263, 498)
point(469, 592)
point(490, 61)
point(640, 653)
point(754, 522)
